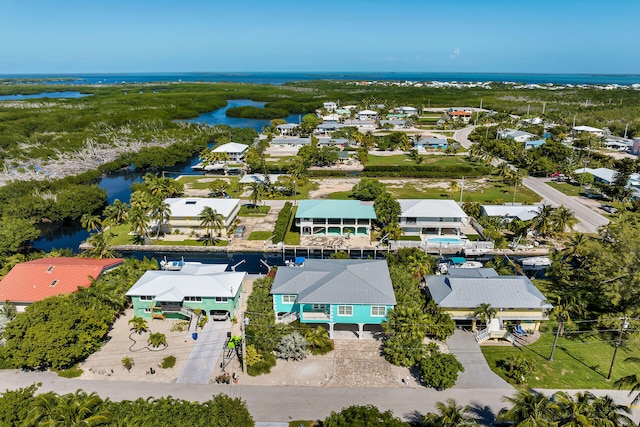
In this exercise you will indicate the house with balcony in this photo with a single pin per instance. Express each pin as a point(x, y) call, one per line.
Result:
point(432, 217)
point(334, 292)
point(161, 294)
point(234, 151)
point(334, 218)
point(516, 135)
point(184, 216)
point(515, 298)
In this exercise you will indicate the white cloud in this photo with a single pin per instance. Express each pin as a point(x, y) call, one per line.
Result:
point(455, 53)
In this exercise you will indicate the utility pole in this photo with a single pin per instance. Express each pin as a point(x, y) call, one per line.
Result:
point(245, 322)
point(623, 325)
point(625, 130)
point(461, 189)
point(544, 105)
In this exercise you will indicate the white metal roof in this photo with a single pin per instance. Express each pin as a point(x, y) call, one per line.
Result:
point(523, 212)
point(430, 208)
point(197, 281)
point(192, 206)
point(231, 147)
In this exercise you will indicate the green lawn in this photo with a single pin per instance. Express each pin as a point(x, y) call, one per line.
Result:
point(250, 211)
point(568, 189)
point(280, 161)
point(260, 235)
point(496, 193)
point(292, 238)
point(578, 363)
point(122, 237)
point(403, 159)
point(201, 182)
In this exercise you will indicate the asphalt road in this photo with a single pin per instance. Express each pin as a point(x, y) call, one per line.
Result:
point(589, 220)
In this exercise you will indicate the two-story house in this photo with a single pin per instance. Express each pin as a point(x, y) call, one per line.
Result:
point(334, 218)
point(431, 217)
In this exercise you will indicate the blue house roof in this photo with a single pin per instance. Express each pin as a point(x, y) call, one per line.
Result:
point(536, 143)
point(335, 209)
point(324, 281)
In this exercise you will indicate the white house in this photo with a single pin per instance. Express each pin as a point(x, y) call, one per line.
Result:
point(287, 128)
point(594, 131)
point(330, 106)
point(185, 213)
point(367, 115)
point(516, 135)
point(509, 212)
point(234, 150)
point(424, 217)
point(409, 111)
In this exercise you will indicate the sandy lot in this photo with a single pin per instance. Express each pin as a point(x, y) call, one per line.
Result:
point(106, 364)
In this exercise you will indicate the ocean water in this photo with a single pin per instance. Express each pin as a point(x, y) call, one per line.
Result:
point(278, 78)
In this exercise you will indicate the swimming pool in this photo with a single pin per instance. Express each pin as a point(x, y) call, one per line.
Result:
point(449, 240)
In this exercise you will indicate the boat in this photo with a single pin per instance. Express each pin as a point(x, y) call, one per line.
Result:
point(175, 265)
point(536, 262)
point(457, 262)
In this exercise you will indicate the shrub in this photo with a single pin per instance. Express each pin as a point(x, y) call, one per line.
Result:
point(282, 223)
point(292, 347)
point(438, 370)
point(127, 362)
point(253, 356)
point(517, 368)
point(318, 341)
point(168, 362)
point(267, 361)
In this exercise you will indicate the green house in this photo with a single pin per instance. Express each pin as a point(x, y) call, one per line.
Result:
point(176, 294)
point(331, 292)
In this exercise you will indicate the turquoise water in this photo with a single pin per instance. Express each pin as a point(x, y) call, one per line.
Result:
point(277, 78)
point(444, 240)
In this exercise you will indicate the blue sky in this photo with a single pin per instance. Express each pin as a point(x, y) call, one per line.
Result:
point(561, 36)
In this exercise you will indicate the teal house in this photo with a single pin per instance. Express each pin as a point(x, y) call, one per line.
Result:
point(334, 292)
point(334, 218)
point(176, 294)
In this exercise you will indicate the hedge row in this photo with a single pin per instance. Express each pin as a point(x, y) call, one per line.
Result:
point(282, 223)
point(461, 168)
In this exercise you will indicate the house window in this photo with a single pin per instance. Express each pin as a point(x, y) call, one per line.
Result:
point(146, 310)
point(378, 311)
point(221, 299)
point(411, 220)
point(288, 299)
point(55, 282)
point(345, 310)
point(190, 202)
point(318, 307)
point(145, 298)
point(193, 299)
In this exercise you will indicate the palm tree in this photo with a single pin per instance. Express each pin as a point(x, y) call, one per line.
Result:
point(91, 222)
point(419, 264)
point(632, 381)
point(529, 409)
point(160, 212)
point(407, 321)
point(99, 246)
point(450, 414)
point(8, 310)
point(116, 213)
point(543, 222)
point(73, 410)
point(257, 191)
point(573, 249)
point(563, 218)
point(139, 221)
point(211, 221)
point(607, 413)
point(504, 171)
point(562, 311)
point(138, 324)
point(484, 312)
point(158, 339)
point(575, 412)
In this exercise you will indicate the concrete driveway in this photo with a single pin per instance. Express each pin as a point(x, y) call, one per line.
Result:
point(205, 354)
point(477, 373)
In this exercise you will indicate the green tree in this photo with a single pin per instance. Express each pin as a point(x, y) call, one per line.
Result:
point(562, 310)
point(74, 410)
point(439, 370)
point(212, 221)
point(630, 381)
point(362, 416)
point(257, 192)
point(387, 209)
point(138, 324)
point(116, 213)
point(91, 222)
point(484, 312)
point(160, 213)
point(218, 187)
point(529, 409)
point(449, 414)
point(16, 235)
point(99, 246)
point(157, 339)
point(367, 189)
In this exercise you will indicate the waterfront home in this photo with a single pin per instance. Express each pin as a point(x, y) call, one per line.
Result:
point(330, 106)
point(233, 150)
point(515, 298)
point(176, 294)
point(409, 111)
point(287, 128)
point(36, 280)
point(460, 114)
point(334, 292)
point(334, 218)
point(184, 216)
point(327, 128)
point(431, 217)
point(432, 142)
point(510, 212)
point(294, 142)
point(516, 135)
point(367, 115)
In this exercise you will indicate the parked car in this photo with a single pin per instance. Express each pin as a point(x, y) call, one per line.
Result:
point(239, 231)
point(609, 209)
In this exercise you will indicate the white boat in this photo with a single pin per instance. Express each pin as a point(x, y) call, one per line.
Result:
point(457, 262)
point(536, 262)
point(174, 265)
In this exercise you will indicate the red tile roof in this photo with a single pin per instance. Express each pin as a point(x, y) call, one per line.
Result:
point(460, 113)
point(36, 280)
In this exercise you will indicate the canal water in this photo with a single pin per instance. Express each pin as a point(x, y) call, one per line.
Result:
point(70, 234)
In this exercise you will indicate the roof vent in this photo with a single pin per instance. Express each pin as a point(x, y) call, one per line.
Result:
point(50, 269)
point(55, 282)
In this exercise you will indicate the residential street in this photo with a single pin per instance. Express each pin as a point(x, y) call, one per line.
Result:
point(284, 403)
point(590, 220)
